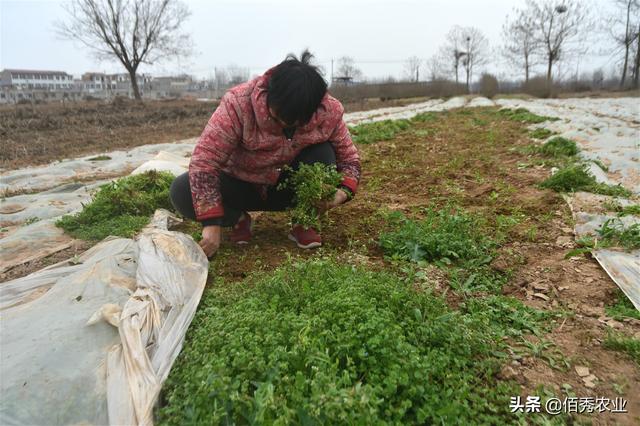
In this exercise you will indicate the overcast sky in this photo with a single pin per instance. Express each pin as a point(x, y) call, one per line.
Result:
point(378, 34)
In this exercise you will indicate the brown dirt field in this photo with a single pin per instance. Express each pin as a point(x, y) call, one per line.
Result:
point(469, 156)
point(39, 134)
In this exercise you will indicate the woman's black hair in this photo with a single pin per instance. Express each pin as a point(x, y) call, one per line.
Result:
point(296, 89)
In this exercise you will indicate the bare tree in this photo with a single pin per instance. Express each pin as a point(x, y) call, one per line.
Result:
point(557, 28)
point(347, 69)
point(134, 32)
point(452, 52)
point(435, 67)
point(466, 47)
point(412, 68)
point(622, 28)
point(520, 44)
point(476, 49)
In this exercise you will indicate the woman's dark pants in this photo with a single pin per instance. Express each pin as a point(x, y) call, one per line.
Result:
point(239, 196)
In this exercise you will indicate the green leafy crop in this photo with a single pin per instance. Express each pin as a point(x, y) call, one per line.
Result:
point(541, 133)
point(320, 342)
point(576, 177)
point(120, 208)
point(524, 116)
point(614, 233)
point(558, 147)
point(312, 184)
point(380, 130)
point(450, 238)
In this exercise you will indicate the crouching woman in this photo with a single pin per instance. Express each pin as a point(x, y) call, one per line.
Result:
point(283, 118)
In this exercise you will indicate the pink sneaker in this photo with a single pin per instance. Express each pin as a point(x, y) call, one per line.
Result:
point(241, 231)
point(305, 238)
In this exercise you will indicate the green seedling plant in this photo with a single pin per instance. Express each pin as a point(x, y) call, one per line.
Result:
point(576, 177)
point(523, 115)
point(620, 342)
point(559, 147)
point(312, 185)
point(449, 238)
point(545, 350)
point(120, 208)
point(622, 308)
point(614, 233)
point(378, 130)
point(541, 133)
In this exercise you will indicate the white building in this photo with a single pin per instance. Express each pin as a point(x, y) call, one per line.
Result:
point(38, 80)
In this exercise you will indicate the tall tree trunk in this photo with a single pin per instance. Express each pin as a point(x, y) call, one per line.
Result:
point(636, 68)
point(468, 78)
point(456, 71)
point(627, 42)
point(549, 65)
point(134, 85)
point(526, 68)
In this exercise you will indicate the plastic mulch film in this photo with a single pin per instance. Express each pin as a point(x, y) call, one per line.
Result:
point(90, 341)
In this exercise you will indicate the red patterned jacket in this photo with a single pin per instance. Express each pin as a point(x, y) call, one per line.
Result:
point(243, 141)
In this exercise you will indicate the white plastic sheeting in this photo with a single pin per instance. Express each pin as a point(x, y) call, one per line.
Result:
point(41, 178)
point(91, 341)
point(605, 129)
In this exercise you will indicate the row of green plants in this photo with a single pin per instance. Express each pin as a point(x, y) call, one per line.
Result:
point(321, 342)
point(573, 176)
point(123, 207)
point(120, 208)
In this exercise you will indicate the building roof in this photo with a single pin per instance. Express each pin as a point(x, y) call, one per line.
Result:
point(19, 71)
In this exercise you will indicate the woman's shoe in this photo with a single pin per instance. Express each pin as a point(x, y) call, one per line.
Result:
point(305, 238)
point(241, 231)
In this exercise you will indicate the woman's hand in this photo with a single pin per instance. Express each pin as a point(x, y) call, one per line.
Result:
point(339, 198)
point(210, 242)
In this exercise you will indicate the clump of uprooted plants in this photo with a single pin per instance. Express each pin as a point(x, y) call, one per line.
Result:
point(120, 208)
point(312, 184)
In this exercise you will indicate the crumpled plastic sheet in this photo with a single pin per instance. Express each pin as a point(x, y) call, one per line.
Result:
point(90, 341)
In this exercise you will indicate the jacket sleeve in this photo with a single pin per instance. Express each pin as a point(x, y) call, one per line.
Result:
point(347, 158)
point(217, 142)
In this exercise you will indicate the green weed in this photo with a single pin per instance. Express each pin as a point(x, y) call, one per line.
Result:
point(449, 238)
point(576, 177)
point(120, 208)
point(312, 184)
point(443, 235)
point(622, 308)
point(614, 233)
point(600, 164)
point(633, 210)
point(559, 147)
point(318, 342)
point(378, 130)
point(424, 117)
point(541, 133)
point(508, 315)
point(523, 115)
point(617, 341)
